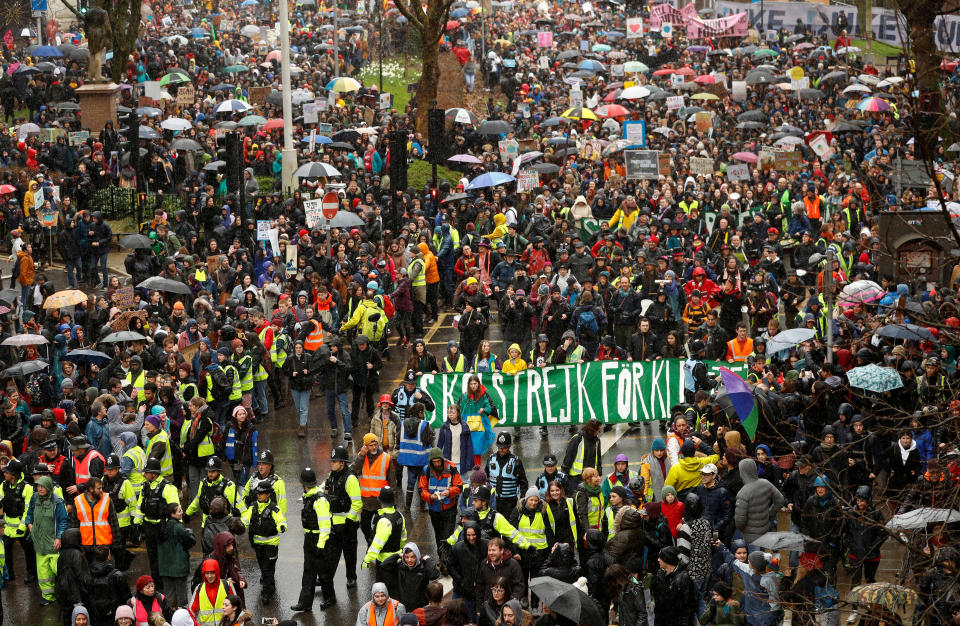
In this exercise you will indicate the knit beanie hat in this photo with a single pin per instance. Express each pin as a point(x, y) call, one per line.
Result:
point(670, 555)
point(478, 477)
point(757, 561)
point(143, 581)
point(659, 444)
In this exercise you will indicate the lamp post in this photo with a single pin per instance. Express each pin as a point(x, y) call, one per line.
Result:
point(288, 157)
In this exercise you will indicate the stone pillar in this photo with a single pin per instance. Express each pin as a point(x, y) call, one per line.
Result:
point(98, 105)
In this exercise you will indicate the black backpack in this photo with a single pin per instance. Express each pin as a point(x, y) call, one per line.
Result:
point(222, 387)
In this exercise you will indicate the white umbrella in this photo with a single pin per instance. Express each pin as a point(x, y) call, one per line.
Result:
point(634, 93)
point(857, 88)
point(250, 30)
point(176, 123)
point(890, 82)
point(869, 79)
point(919, 518)
point(232, 106)
point(299, 96)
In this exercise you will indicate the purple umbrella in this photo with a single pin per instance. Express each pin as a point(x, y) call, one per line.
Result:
point(698, 49)
point(465, 158)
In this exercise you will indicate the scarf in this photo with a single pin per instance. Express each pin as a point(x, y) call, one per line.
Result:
point(593, 491)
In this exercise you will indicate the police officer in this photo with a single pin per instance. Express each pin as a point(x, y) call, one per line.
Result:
point(264, 474)
point(214, 485)
point(506, 474)
point(317, 543)
point(549, 474)
point(390, 533)
point(16, 493)
point(266, 522)
point(123, 498)
point(156, 494)
point(695, 376)
point(343, 493)
point(408, 394)
point(492, 523)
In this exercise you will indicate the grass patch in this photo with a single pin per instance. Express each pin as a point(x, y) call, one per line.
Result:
point(395, 81)
point(880, 49)
point(421, 172)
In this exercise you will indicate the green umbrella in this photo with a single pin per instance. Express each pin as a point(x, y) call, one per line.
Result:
point(236, 68)
point(175, 77)
point(252, 120)
point(765, 52)
point(635, 67)
point(874, 378)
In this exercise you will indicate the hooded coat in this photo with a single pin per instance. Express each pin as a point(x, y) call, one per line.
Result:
point(173, 551)
point(675, 597)
point(631, 538)
point(465, 561)
point(73, 570)
point(379, 613)
point(409, 584)
point(757, 502)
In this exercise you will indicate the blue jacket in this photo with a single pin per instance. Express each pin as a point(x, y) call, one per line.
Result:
point(98, 432)
point(758, 601)
point(716, 505)
point(445, 441)
point(229, 447)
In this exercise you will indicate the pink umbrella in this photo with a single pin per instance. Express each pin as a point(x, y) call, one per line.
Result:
point(746, 157)
point(464, 158)
point(274, 55)
point(272, 124)
point(706, 79)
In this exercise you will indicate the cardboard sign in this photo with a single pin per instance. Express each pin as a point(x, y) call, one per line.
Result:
point(676, 80)
point(788, 161)
point(635, 132)
point(665, 163)
point(738, 90)
point(310, 113)
point(704, 122)
point(258, 95)
point(737, 172)
point(126, 298)
point(820, 146)
point(576, 98)
point(185, 96)
point(386, 101)
point(509, 150)
point(634, 27)
point(701, 166)
point(674, 102)
point(263, 229)
point(48, 217)
point(528, 180)
point(312, 210)
point(766, 159)
point(642, 164)
point(545, 39)
point(78, 138)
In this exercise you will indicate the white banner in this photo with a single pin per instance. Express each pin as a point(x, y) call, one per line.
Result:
point(737, 172)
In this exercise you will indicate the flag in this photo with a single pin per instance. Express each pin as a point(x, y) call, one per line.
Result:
point(8, 39)
point(741, 397)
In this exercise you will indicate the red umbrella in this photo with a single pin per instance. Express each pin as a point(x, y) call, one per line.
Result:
point(612, 110)
point(612, 96)
point(453, 25)
point(272, 124)
point(685, 71)
point(706, 79)
point(4, 189)
point(665, 72)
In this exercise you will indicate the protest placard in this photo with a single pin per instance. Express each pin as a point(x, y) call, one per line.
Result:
point(386, 101)
point(737, 172)
point(126, 298)
point(185, 96)
point(674, 102)
point(528, 180)
point(788, 161)
point(635, 132)
point(312, 210)
point(665, 160)
point(325, 129)
point(509, 150)
point(263, 229)
point(738, 89)
point(258, 95)
point(78, 138)
point(634, 27)
point(576, 98)
point(704, 121)
point(701, 166)
point(545, 39)
point(291, 260)
point(642, 164)
point(310, 113)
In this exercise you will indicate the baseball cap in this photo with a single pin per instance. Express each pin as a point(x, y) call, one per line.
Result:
point(709, 468)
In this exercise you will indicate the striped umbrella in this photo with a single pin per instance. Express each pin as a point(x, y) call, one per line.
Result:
point(873, 104)
point(580, 113)
point(343, 84)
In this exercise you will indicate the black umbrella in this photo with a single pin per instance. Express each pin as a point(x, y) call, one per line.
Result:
point(147, 132)
point(165, 284)
point(457, 196)
point(275, 98)
point(339, 145)
point(759, 78)
point(810, 94)
point(568, 54)
point(88, 357)
point(123, 335)
point(793, 38)
point(223, 87)
point(545, 168)
point(188, 145)
point(844, 127)
point(213, 166)
point(566, 600)
point(750, 125)
point(9, 295)
point(906, 331)
point(754, 115)
point(493, 127)
point(136, 242)
point(346, 136)
point(67, 106)
point(839, 77)
point(26, 367)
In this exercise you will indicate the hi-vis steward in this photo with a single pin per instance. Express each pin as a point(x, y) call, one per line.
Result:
point(610, 391)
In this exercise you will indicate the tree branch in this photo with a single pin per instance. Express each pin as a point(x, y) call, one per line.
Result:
point(72, 9)
point(417, 20)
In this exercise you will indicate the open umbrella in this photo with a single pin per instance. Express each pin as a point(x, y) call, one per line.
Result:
point(461, 116)
point(787, 339)
point(783, 540)
point(345, 219)
point(545, 168)
point(234, 69)
point(456, 197)
point(580, 113)
point(754, 115)
point(860, 291)
point(123, 335)
point(635, 67)
point(874, 378)
point(9, 295)
point(746, 157)
point(168, 285)
point(174, 78)
point(634, 92)
point(494, 127)
point(612, 110)
point(343, 84)
point(740, 397)
point(317, 169)
point(759, 78)
point(65, 298)
point(873, 105)
point(566, 600)
point(176, 123)
point(28, 339)
point(213, 166)
point(25, 367)
point(88, 357)
point(906, 332)
point(136, 242)
point(889, 595)
point(465, 158)
point(491, 179)
point(919, 518)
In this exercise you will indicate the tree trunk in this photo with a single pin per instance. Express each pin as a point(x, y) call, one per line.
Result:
point(429, 73)
point(125, 20)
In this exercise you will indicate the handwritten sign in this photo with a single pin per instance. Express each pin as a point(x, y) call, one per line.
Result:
point(78, 138)
point(185, 96)
point(310, 113)
point(324, 128)
point(545, 39)
point(634, 27)
point(126, 298)
point(509, 150)
point(312, 210)
point(674, 102)
point(263, 230)
point(737, 172)
point(704, 122)
point(258, 95)
point(788, 161)
point(528, 180)
point(665, 163)
point(701, 166)
point(635, 132)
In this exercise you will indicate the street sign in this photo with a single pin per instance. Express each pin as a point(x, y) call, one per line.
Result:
point(38, 5)
point(331, 204)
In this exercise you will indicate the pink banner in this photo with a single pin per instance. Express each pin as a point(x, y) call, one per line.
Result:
point(661, 13)
point(731, 26)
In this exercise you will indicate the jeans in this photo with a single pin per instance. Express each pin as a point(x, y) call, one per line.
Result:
point(469, 80)
point(100, 259)
point(177, 590)
point(301, 400)
point(71, 266)
point(241, 473)
point(260, 397)
point(25, 303)
point(334, 398)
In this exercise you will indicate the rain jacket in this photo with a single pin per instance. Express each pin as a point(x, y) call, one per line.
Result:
point(757, 502)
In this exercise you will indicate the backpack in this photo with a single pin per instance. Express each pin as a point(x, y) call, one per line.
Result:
point(587, 326)
point(825, 597)
point(222, 387)
point(388, 307)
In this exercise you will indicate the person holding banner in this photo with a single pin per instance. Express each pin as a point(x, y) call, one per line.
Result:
point(477, 410)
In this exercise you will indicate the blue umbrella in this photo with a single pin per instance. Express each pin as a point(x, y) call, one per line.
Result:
point(198, 33)
point(47, 51)
point(458, 13)
point(490, 180)
point(591, 66)
point(87, 356)
point(249, 3)
point(320, 139)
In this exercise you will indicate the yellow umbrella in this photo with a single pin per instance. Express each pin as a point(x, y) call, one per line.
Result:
point(580, 113)
point(63, 299)
point(704, 96)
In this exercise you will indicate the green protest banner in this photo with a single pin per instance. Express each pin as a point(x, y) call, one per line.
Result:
point(610, 391)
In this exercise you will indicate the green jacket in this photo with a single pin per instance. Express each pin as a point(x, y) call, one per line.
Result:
point(173, 551)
